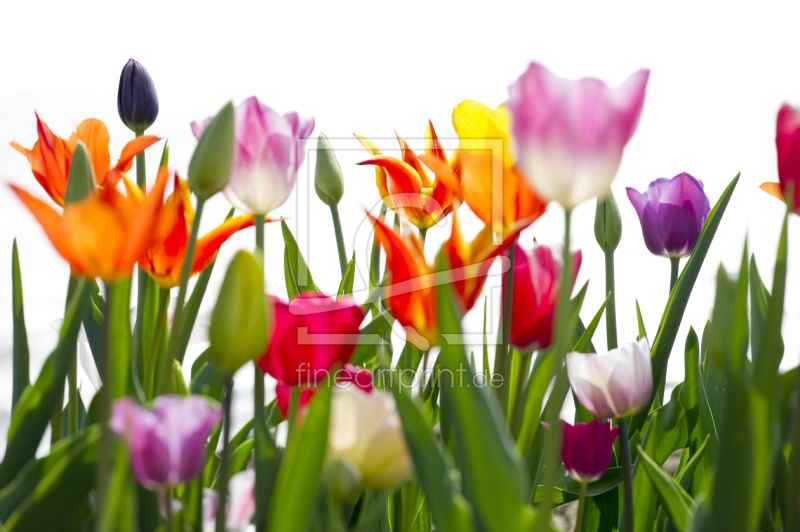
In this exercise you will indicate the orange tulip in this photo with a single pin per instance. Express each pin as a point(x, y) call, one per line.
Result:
point(484, 151)
point(411, 294)
point(105, 234)
point(164, 260)
point(405, 185)
point(51, 155)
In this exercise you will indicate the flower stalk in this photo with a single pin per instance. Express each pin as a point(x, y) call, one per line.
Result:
point(337, 226)
point(611, 306)
point(502, 366)
point(225, 463)
point(581, 507)
point(627, 477)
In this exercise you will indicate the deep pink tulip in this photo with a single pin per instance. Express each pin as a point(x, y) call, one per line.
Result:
point(167, 445)
point(313, 334)
point(349, 375)
point(537, 282)
point(586, 449)
point(672, 213)
point(787, 141)
point(269, 149)
point(570, 134)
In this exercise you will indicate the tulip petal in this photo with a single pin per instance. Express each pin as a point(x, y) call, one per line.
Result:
point(380, 173)
point(132, 149)
point(207, 246)
point(773, 189)
point(432, 144)
point(94, 134)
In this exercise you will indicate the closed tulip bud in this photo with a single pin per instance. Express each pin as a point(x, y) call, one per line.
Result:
point(615, 385)
point(607, 223)
point(240, 322)
point(586, 449)
point(80, 183)
point(137, 101)
point(212, 161)
point(328, 180)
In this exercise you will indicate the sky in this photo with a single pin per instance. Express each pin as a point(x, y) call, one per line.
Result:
point(719, 73)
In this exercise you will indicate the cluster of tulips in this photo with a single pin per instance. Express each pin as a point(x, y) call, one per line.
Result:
point(472, 447)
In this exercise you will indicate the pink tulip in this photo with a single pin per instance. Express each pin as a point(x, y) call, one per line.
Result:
point(787, 141)
point(615, 385)
point(570, 134)
point(269, 150)
point(167, 445)
point(586, 449)
point(537, 281)
point(349, 375)
point(313, 334)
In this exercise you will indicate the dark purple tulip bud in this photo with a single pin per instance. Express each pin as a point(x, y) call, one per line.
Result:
point(672, 213)
point(137, 101)
point(586, 449)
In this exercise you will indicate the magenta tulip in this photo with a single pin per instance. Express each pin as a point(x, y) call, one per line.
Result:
point(672, 213)
point(787, 141)
point(313, 334)
point(167, 445)
point(586, 449)
point(537, 281)
point(269, 150)
point(570, 134)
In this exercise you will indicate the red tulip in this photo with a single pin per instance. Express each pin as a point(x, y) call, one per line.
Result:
point(313, 334)
point(537, 281)
point(347, 376)
point(586, 449)
point(787, 142)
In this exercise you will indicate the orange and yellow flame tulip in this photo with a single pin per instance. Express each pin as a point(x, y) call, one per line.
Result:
point(411, 293)
point(485, 151)
point(51, 155)
point(405, 185)
point(105, 234)
point(164, 260)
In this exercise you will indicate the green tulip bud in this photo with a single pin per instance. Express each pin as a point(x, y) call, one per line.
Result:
point(212, 161)
point(240, 322)
point(607, 223)
point(80, 182)
point(328, 180)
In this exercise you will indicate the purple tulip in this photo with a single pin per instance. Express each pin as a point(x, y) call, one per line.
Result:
point(167, 445)
point(269, 149)
point(586, 449)
point(672, 213)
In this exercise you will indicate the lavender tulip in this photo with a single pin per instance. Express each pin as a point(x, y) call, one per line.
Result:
point(570, 134)
point(672, 213)
point(614, 385)
point(269, 149)
point(167, 445)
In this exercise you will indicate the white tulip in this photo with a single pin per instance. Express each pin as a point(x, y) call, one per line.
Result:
point(616, 384)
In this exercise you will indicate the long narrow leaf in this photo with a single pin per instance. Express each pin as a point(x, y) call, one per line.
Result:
point(20, 353)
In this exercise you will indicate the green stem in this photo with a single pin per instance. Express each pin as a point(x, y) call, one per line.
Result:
point(168, 508)
point(337, 226)
point(154, 385)
point(73, 371)
point(259, 421)
point(225, 463)
point(515, 419)
point(142, 277)
point(627, 476)
point(674, 271)
point(611, 307)
point(581, 507)
point(501, 365)
point(552, 452)
point(423, 236)
point(186, 270)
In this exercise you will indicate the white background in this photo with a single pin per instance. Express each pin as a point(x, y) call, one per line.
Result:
point(719, 75)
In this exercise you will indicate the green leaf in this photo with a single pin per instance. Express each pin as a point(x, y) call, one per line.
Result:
point(679, 297)
point(644, 495)
point(449, 509)
point(207, 379)
point(496, 488)
point(759, 308)
point(534, 393)
point(570, 489)
point(81, 178)
point(673, 432)
point(686, 474)
point(295, 265)
point(301, 468)
point(346, 285)
point(766, 365)
point(239, 459)
point(371, 338)
point(20, 353)
point(66, 478)
point(37, 403)
point(640, 322)
point(192, 309)
point(675, 500)
point(65, 417)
